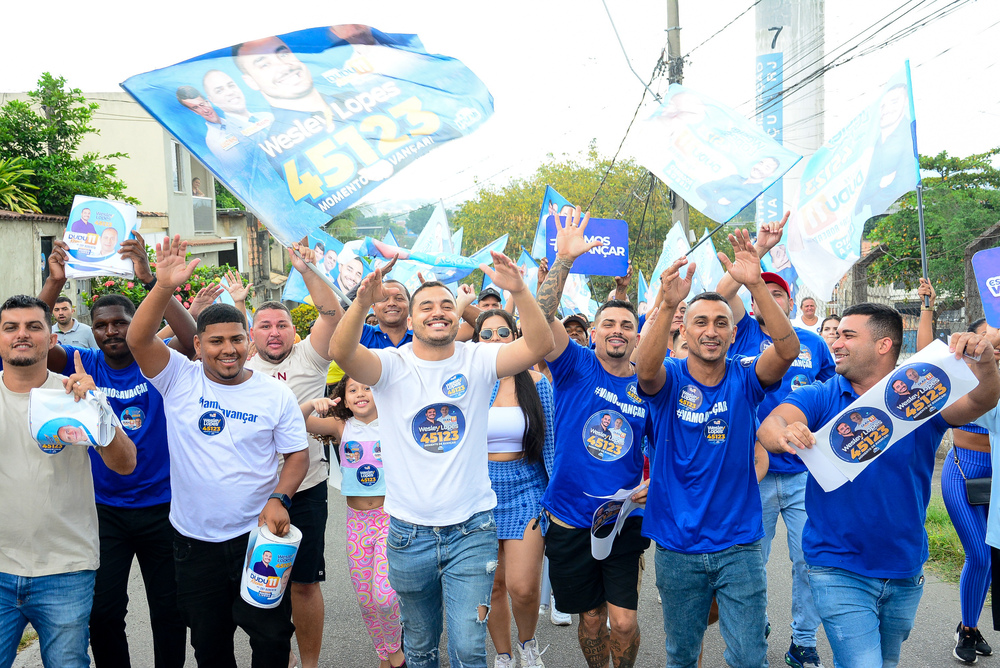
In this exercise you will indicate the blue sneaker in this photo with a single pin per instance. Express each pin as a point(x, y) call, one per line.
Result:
point(802, 657)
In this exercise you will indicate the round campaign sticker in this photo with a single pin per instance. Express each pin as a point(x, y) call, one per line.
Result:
point(799, 381)
point(97, 230)
point(367, 475)
point(860, 434)
point(438, 428)
point(211, 423)
point(57, 433)
point(455, 386)
point(353, 452)
point(917, 391)
point(716, 431)
point(132, 418)
point(805, 357)
point(607, 435)
point(632, 392)
point(691, 397)
point(765, 344)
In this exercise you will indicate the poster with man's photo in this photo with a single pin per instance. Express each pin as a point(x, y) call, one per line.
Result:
point(94, 233)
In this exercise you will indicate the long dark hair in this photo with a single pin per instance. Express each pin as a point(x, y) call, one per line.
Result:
point(527, 395)
point(341, 411)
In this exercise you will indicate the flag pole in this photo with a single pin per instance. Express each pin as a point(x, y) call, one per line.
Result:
point(920, 184)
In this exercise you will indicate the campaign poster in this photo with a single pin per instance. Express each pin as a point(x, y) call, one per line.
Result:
point(708, 154)
point(94, 234)
point(300, 126)
point(927, 383)
point(608, 259)
point(333, 261)
point(986, 265)
point(553, 204)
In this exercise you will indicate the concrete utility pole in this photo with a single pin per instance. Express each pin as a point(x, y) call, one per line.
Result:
point(675, 62)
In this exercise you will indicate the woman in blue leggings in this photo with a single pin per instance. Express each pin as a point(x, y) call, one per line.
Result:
point(969, 458)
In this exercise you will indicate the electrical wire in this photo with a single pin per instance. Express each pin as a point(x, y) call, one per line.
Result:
point(717, 32)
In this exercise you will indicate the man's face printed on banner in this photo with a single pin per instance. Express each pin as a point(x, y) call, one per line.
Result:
point(270, 67)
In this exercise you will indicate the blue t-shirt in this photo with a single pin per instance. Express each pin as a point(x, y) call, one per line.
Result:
point(703, 493)
point(873, 526)
point(372, 337)
point(139, 406)
point(813, 363)
point(599, 425)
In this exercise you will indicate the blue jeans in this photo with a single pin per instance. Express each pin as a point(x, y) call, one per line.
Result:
point(450, 567)
point(866, 619)
point(735, 577)
point(785, 493)
point(58, 607)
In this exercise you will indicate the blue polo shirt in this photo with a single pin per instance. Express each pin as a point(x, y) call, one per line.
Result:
point(813, 363)
point(139, 406)
point(703, 493)
point(372, 337)
point(599, 425)
point(873, 526)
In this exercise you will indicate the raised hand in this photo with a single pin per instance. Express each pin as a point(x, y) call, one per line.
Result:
point(301, 255)
point(745, 267)
point(543, 269)
point(504, 274)
point(769, 235)
point(371, 290)
point(236, 289)
point(570, 242)
point(79, 382)
point(323, 406)
point(673, 288)
point(135, 250)
point(57, 260)
point(622, 282)
point(171, 268)
point(205, 298)
point(926, 290)
point(466, 295)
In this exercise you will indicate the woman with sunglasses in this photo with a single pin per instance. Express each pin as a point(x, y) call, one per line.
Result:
point(521, 450)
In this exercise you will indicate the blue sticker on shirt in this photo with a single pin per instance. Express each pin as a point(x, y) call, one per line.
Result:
point(716, 431)
point(455, 386)
point(367, 475)
point(691, 398)
point(632, 392)
point(438, 428)
point(860, 434)
point(211, 423)
point(132, 418)
point(917, 391)
point(607, 435)
point(799, 381)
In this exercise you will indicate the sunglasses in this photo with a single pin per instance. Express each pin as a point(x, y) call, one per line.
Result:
point(487, 334)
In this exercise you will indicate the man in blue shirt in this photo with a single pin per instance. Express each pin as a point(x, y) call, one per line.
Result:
point(594, 388)
point(864, 542)
point(782, 490)
point(391, 330)
point(704, 510)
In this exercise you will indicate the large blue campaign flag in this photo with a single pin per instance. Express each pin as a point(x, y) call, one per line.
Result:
point(858, 173)
point(447, 267)
point(708, 154)
point(553, 204)
point(608, 259)
point(643, 288)
point(302, 125)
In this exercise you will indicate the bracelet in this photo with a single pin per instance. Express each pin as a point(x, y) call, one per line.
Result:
point(926, 308)
point(149, 286)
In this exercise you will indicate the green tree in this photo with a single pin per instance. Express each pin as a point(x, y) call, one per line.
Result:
point(46, 133)
point(417, 219)
point(225, 199)
point(15, 186)
point(960, 203)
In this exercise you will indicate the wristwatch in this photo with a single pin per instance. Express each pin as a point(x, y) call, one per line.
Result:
point(282, 499)
point(149, 286)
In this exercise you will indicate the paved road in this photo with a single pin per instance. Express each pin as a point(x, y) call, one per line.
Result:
point(347, 645)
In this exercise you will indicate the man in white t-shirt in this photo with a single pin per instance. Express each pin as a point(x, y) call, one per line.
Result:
point(806, 318)
point(227, 429)
point(303, 367)
point(442, 545)
point(49, 550)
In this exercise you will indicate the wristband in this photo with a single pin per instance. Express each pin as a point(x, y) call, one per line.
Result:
point(149, 286)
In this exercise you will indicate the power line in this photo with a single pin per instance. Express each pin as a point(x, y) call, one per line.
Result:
point(627, 60)
point(716, 33)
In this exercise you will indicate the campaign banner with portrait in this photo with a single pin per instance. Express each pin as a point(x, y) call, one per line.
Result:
point(858, 173)
point(927, 383)
point(553, 204)
point(57, 419)
point(608, 259)
point(301, 126)
point(708, 154)
point(334, 261)
point(986, 265)
point(708, 269)
point(95, 234)
point(435, 238)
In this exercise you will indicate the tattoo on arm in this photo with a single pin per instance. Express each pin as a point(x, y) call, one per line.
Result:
point(327, 311)
point(786, 336)
point(550, 292)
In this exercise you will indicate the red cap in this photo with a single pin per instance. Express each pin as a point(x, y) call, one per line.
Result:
point(771, 277)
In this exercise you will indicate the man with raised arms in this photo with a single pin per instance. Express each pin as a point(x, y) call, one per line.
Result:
point(227, 428)
point(783, 489)
point(442, 545)
point(703, 509)
point(864, 542)
point(593, 389)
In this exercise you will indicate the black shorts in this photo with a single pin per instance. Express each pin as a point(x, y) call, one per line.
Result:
point(308, 514)
point(581, 583)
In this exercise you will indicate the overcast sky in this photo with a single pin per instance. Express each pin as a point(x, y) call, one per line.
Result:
point(555, 69)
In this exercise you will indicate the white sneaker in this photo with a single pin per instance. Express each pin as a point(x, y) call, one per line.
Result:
point(503, 661)
point(543, 609)
point(558, 618)
point(529, 655)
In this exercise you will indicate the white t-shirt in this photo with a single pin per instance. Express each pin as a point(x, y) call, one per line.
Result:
point(437, 476)
point(304, 371)
point(797, 322)
point(50, 518)
point(225, 442)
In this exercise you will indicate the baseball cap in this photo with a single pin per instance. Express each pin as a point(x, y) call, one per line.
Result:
point(490, 291)
point(578, 318)
point(771, 277)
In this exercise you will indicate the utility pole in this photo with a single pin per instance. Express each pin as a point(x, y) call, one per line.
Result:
point(675, 65)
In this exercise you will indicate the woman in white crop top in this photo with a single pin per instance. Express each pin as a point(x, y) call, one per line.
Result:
point(521, 448)
point(352, 418)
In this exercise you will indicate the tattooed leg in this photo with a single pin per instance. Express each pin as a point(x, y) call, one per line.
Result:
point(594, 637)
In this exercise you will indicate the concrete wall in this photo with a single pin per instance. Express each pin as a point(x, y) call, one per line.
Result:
point(21, 267)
